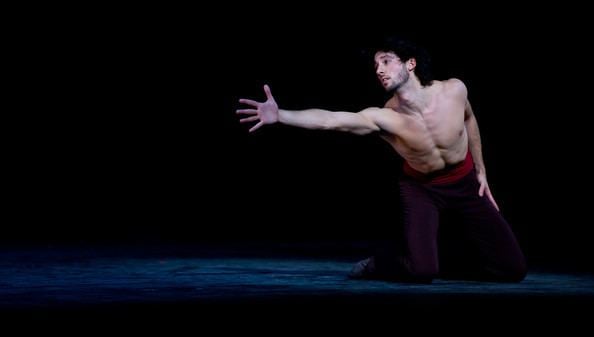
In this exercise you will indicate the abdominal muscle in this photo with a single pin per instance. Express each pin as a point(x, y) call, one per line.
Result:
point(426, 156)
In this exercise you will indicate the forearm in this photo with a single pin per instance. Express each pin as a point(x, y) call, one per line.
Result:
point(316, 119)
point(474, 143)
point(361, 123)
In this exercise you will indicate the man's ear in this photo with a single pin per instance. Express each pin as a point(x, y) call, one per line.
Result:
point(411, 64)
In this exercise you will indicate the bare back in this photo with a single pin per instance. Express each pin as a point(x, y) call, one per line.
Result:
point(431, 137)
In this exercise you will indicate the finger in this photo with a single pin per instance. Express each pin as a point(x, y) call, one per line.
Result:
point(492, 199)
point(256, 127)
point(482, 189)
point(249, 119)
point(249, 102)
point(268, 92)
point(246, 111)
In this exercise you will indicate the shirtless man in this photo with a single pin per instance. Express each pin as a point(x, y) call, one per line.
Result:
point(432, 126)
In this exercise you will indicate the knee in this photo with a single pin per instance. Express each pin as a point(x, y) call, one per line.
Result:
point(423, 272)
point(515, 272)
point(520, 271)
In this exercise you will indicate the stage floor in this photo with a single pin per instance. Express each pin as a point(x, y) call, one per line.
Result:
point(59, 282)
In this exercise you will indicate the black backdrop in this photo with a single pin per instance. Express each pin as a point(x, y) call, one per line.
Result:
point(129, 132)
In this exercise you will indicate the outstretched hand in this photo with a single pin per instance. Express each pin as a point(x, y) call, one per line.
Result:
point(265, 112)
point(484, 188)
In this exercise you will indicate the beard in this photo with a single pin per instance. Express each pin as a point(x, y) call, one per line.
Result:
point(401, 79)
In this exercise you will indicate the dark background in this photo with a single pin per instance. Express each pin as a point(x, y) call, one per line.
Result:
point(127, 131)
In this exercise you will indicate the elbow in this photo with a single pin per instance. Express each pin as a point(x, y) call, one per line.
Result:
point(366, 130)
point(359, 130)
point(326, 121)
point(328, 124)
point(363, 131)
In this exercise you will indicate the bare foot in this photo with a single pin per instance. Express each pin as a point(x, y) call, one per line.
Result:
point(363, 269)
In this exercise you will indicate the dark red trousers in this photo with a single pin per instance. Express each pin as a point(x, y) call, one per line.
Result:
point(492, 246)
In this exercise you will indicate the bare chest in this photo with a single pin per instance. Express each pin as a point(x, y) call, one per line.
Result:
point(445, 124)
point(440, 126)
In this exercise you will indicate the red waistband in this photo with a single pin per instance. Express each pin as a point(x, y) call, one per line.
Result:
point(448, 174)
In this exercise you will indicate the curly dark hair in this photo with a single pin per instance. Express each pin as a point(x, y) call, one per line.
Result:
point(405, 50)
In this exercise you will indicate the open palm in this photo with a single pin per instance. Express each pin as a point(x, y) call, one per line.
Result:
point(264, 112)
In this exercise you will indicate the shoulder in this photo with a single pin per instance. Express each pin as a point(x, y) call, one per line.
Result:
point(455, 86)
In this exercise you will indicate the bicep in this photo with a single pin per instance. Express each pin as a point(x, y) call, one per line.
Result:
point(360, 123)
